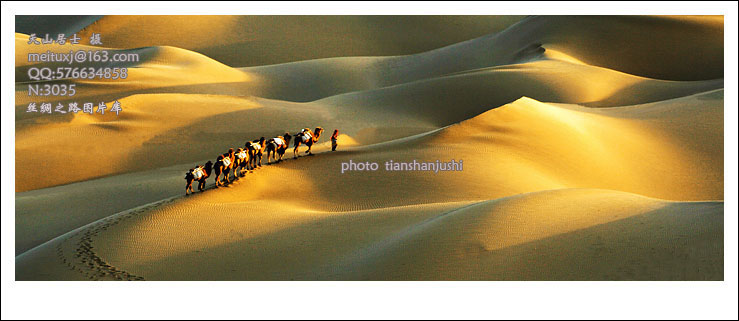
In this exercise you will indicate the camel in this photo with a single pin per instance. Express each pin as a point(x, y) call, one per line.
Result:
point(255, 148)
point(206, 173)
point(218, 167)
point(308, 138)
point(277, 146)
point(229, 159)
point(242, 160)
point(236, 163)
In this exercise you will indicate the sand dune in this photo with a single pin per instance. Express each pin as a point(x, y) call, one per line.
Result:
point(641, 46)
point(553, 235)
point(47, 213)
point(592, 150)
point(445, 100)
point(550, 235)
point(402, 109)
point(241, 41)
point(156, 67)
point(395, 93)
point(575, 141)
point(569, 38)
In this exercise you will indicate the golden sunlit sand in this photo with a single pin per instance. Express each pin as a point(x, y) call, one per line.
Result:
point(592, 149)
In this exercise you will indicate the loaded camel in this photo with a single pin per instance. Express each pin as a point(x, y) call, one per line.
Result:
point(308, 138)
point(223, 166)
point(277, 146)
point(218, 168)
point(229, 160)
point(255, 149)
point(205, 174)
point(242, 160)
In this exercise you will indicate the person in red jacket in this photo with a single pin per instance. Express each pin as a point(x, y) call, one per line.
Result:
point(334, 138)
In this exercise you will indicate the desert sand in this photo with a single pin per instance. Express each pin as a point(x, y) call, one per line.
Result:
point(592, 149)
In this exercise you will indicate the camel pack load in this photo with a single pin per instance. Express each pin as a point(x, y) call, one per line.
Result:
point(242, 154)
point(226, 161)
point(198, 173)
point(305, 135)
point(279, 141)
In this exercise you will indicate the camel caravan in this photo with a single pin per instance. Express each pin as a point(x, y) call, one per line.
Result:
point(239, 162)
